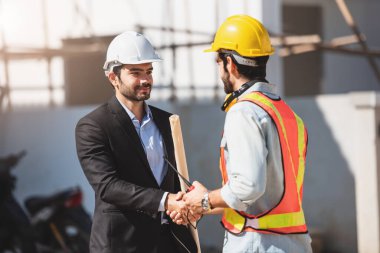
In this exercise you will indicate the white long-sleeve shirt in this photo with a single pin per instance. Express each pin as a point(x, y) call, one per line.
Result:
point(255, 175)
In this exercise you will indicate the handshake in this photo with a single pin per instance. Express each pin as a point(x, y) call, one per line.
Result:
point(184, 208)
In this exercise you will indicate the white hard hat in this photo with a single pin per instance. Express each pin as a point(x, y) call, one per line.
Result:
point(129, 48)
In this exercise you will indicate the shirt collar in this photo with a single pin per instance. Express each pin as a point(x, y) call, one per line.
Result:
point(148, 112)
point(267, 88)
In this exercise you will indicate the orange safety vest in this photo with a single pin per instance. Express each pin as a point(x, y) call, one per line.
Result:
point(287, 216)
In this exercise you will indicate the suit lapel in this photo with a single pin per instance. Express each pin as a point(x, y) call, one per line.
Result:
point(126, 124)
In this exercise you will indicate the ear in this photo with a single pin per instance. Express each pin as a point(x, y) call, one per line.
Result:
point(112, 77)
point(229, 63)
point(231, 67)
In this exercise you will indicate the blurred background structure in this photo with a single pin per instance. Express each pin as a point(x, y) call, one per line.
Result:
point(326, 65)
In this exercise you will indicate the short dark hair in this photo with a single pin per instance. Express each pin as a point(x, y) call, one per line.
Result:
point(252, 73)
point(117, 70)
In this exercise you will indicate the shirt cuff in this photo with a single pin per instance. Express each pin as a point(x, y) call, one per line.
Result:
point(230, 198)
point(161, 208)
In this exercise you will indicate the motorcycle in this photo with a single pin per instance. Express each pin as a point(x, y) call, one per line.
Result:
point(55, 223)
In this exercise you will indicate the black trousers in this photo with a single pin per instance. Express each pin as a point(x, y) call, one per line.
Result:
point(167, 243)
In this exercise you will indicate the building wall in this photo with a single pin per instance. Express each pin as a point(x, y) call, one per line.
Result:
point(329, 187)
point(341, 72)
point(329, 190)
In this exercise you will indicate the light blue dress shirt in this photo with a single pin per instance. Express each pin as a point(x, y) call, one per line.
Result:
point(153, 144)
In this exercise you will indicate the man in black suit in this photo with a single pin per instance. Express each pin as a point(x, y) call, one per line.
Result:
point(121, 146)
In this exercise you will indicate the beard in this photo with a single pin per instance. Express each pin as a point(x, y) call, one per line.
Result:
point(138, 93)
point(227, 83)
point(142, 92)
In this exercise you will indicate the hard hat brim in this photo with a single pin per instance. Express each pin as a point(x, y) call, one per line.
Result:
point(209, 50)
point(142, 62)
point(118, 63)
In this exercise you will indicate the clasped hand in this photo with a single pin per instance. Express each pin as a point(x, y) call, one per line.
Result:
point(184, 208)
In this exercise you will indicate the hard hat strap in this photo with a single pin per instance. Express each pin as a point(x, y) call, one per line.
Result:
point(245, 61)
point(237, 93)
point(108, 66)
point(242, 60)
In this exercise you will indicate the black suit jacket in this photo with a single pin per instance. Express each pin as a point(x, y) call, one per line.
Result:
point(127, 196)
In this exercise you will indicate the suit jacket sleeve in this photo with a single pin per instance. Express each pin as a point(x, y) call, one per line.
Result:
point(96, 158)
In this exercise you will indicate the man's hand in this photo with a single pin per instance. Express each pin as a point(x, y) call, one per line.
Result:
point(194, 198)
point(175, 207)
point(182, 218)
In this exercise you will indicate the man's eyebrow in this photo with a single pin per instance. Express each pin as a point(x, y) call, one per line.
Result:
point(139, 69)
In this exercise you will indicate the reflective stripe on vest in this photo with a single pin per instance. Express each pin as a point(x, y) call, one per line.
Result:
point(287, 216)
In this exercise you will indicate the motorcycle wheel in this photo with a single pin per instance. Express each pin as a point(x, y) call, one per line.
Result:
point(78, 242)
point(75, 227)
point(13, 247)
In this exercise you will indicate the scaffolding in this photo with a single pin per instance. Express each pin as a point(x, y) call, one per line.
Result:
point(288, 45)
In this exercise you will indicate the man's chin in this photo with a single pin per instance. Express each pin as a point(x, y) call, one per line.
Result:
point(227, 87)
point(228, 90)
point(143, 97)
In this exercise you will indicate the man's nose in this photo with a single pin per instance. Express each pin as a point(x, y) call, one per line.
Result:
point(146, 79)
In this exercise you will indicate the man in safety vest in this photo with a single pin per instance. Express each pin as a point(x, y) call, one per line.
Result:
point(263, 150)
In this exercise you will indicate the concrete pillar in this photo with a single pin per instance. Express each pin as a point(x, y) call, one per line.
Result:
point(367, 153)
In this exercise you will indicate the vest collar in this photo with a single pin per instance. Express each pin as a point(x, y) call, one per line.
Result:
point(249, 87)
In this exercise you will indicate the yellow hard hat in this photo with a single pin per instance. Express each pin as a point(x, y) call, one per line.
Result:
point(244, 35)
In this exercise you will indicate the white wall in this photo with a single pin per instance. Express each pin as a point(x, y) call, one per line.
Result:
point(48, 137)
point(329, 189)
point(51, 162)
